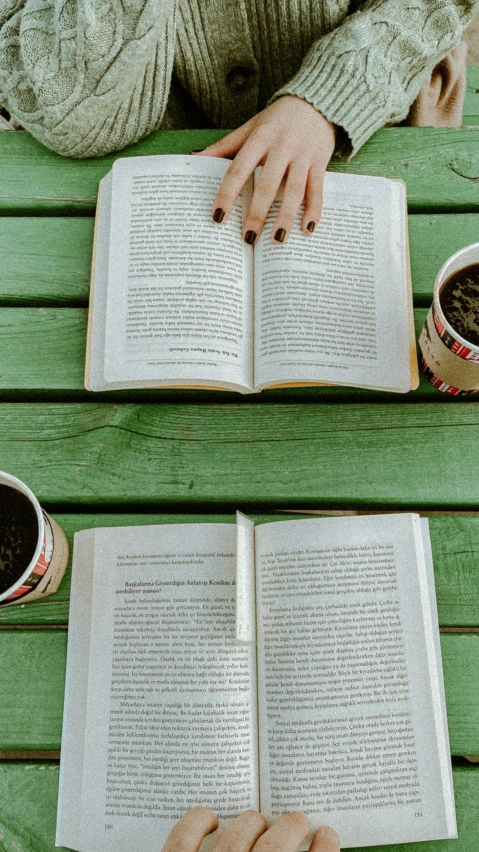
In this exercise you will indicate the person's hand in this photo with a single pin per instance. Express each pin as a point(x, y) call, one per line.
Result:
point(249, 831)
point(291, 140)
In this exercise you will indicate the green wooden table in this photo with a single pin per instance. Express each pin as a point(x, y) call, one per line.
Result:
point(164, 455)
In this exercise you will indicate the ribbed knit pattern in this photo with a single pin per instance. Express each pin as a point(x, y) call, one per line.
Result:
point(87, 77)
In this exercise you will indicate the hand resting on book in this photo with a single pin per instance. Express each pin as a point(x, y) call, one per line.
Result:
point(249, 831)
point(271, 139)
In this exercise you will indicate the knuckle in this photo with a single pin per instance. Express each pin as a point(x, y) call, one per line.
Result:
point(234, 171)
point(298, 819)
point(177, 845)
point(295, 188)
point(262, 132)
point(288, 209)
point(254, 220)
point(263, 194)
point(325, 834)
point(201, 811)
point(234, 178)
point(267, 844)
point(255, 819)
point(227, 198)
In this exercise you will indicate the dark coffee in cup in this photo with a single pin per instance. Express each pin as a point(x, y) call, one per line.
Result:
point(33, 548)
point(18, 535)
point(459, 298)
point(449, 340)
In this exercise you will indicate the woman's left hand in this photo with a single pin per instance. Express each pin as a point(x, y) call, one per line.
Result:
point(291, 140)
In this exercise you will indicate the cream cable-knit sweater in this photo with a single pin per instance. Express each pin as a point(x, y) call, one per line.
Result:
point(90, 76)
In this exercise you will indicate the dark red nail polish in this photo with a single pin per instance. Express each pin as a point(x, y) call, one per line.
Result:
point(218, 215)
point(310, 227)
point(250, 237)
point(280, 235)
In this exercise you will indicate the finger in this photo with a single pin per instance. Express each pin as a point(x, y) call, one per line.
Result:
point(238, 173)
point(285, 835)
point(188, 834)
point(264, 194)
point(325, 839)
point(241, 834)
point(313, 200)
point(292, 197)
point(229, 144)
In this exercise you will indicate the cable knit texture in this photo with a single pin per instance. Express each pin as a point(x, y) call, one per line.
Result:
point(88, 77)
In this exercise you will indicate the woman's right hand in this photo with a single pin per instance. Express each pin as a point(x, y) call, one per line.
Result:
point(247, 832)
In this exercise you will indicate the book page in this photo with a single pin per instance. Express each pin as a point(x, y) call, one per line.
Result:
point(352, 723)
point(169, 714)
point(179, 293)
point(333, 306)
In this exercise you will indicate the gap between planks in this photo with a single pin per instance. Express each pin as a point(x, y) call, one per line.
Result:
point(55, 755)
point(65, 627)
point(393, 510)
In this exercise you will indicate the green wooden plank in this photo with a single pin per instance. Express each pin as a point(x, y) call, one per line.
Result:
point(249, 456)
point(44, 345)
point(455, 545)
point(33, 677)
point(432, 239)
point(439, 165)
point(470, 113)
point(33, 683)
point(460, 660)
point(46, 260)
point(42, 356)
point(28, 807)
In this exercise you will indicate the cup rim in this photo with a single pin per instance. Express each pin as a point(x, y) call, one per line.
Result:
point(441, 278)
point(12, 481)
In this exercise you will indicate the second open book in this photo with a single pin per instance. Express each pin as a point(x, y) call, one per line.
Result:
point(179, 300)
point(295, 666)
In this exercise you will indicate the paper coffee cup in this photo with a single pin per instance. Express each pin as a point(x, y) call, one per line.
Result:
point(43, 574)
point(449, 361)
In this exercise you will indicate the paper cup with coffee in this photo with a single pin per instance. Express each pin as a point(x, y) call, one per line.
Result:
point(33, 548)
point(449, 340)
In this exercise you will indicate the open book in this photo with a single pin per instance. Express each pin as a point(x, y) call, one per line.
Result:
point(179, 300)
point(327, 699)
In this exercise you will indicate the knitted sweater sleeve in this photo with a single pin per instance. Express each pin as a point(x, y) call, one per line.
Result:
point(366, 73)
point(66, 70)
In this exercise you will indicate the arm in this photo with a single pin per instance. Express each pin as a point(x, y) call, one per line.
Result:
point(361, 76)
point(86, 77)
point(367, 72)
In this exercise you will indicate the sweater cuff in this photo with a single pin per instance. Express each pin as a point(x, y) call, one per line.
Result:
point(336, 87)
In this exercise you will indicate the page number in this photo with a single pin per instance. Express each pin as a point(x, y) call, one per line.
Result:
point(107, 825)
point(418, 814)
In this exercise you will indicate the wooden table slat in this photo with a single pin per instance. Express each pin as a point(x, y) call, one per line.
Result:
point(33, 675)
point(455, 545)
point(248, 456)
point(42, 356)
point(440, 167)
point(46, 261)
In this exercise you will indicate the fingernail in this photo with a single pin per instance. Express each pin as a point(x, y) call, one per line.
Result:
point(196, 150)
point(310, 227)
point(218, 215)
point(250, 237)
point(280, 235)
